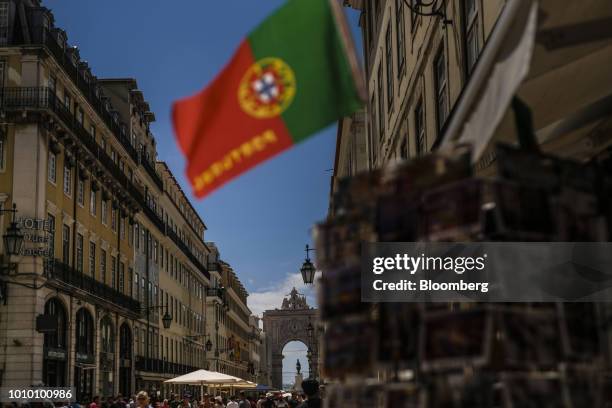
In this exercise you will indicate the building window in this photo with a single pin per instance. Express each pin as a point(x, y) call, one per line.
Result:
point(92, 131)
point(389, 67)
point(67, 101)
point(130, 281)
point(2, 152)
point(104, 211)
point(381, 109)
point(52, 84)
point(114, 272)
point(372, 127)
point(66, 244)
point(79, 116)
point(400, 34)
point(404, 148)
point(4, 22)
point(81, 192)
point(92, 202)
point(122, 277)
point(419, 128)
point(470, 13)
point(92, 259)
point(103, 265)
point(136, 236)
point(67, 179)
point(79, 253)
point(441, 85)
point(51, 236)
point(114, 219)
point(135, 287)
point(52, 168)
point(122, 228)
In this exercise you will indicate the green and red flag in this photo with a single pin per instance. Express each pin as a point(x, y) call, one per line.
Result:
point(293, 75)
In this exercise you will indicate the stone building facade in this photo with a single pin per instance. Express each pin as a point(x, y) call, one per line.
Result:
point(112, 242)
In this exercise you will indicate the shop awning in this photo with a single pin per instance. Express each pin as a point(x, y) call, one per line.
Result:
point(556, 57)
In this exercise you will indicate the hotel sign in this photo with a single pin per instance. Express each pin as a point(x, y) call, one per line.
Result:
point(37, 235)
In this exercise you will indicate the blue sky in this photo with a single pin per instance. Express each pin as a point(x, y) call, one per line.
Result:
point(260, 221)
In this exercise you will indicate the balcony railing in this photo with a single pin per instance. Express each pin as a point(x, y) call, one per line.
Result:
point(44, 98)
point(149, 167)
point(46, 39)
point(18, 98)
point(86, 88)
point(68, 275)
point(179, 242)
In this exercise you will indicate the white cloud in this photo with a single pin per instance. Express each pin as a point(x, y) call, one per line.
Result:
point(271, 297)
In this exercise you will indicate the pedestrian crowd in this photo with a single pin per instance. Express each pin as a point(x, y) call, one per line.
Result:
point(310, 398)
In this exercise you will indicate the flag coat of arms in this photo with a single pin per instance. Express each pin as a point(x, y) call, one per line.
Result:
point(293, 75)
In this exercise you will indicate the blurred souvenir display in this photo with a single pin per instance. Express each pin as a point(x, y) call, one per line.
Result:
point(464, 354)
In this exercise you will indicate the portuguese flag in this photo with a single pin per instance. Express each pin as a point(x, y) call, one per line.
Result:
point(293, 75)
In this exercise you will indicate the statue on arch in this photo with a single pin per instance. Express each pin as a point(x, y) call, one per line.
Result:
point(295, 301)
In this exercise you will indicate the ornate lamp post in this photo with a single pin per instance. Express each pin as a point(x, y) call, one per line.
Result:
point(308, 269)
point(13, 239)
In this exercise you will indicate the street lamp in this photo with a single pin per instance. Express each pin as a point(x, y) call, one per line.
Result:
point(13, 239)
point(208, 345)
point(308, 269)
point(167, 319)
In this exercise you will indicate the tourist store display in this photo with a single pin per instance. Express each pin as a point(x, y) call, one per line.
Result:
point(464, 354)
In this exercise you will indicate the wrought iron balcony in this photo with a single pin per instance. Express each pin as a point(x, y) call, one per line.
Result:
point(68, 275)
point(19, 98)
point(87, 88)
point(150, 168)
point(183, 247)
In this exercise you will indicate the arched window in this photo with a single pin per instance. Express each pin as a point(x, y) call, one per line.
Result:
point(125, 342)
point(107, 335)
point(56, 339)
point(84, 332)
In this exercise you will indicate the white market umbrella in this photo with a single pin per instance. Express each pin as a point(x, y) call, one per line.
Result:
point(205, 377)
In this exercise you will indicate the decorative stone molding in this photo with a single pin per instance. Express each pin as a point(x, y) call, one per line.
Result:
point(93, 237)
point(103, 244)
point(81, 229)
point(67, 219)
point(52, 208)
point(3, 197)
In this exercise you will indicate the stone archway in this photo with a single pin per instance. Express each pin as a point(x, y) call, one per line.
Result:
point(290, 323)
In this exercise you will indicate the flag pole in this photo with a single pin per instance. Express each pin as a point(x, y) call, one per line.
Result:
point(349, 46)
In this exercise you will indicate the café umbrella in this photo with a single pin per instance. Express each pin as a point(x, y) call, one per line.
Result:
point(205, 378)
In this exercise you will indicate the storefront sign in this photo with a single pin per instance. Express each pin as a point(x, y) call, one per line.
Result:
point(37, 236)
point(84, 358)
point(55, 354)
